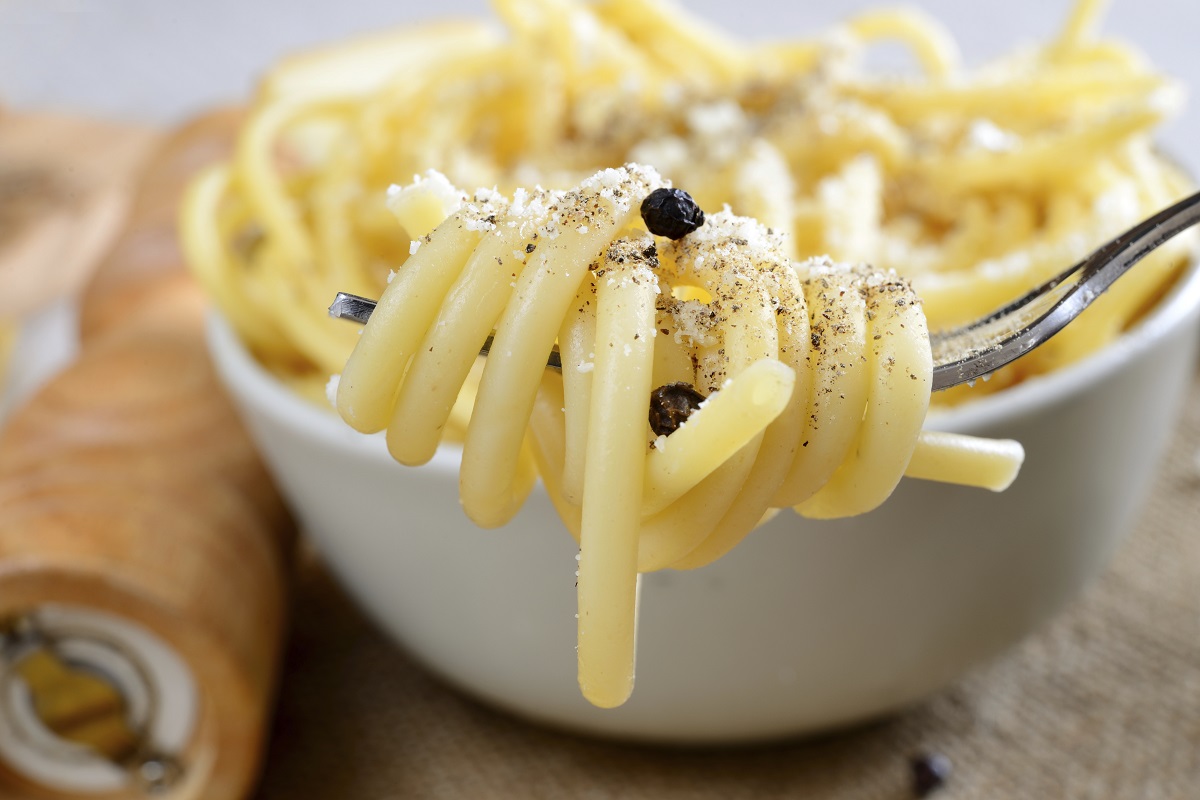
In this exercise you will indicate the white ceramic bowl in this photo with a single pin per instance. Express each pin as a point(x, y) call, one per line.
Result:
point(803, 627)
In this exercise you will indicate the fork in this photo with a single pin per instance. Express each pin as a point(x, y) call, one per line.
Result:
point(979, 348)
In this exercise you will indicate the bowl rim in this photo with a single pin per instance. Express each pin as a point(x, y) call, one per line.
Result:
point(252, 383)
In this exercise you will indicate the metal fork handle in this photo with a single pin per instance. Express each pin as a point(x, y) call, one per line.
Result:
point(1092, 277)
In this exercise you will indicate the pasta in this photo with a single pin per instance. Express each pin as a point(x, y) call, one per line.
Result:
point(817, 379)
point(974, 185)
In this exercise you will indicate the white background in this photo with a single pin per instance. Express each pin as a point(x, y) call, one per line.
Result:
point(158, 60)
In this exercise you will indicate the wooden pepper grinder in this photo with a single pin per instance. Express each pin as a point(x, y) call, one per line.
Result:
point(143, 548)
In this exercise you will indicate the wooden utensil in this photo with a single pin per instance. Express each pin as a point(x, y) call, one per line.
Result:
point(143, 548)
point(65, 186)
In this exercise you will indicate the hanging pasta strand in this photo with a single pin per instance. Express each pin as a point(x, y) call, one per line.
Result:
point(612, 487)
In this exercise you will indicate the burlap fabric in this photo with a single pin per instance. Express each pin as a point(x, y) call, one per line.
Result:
point(1103, 703)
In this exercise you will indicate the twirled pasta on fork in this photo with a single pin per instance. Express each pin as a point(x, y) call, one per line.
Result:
point(815, 380)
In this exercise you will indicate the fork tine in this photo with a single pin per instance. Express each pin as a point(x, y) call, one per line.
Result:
point(1004, 311)
point(352, 307)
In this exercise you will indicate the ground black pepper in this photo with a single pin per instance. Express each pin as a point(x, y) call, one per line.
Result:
point(929, 773)
point(671, 213)
point(670, 406)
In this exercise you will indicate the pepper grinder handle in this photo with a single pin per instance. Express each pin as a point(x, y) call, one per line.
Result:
point(143, 546)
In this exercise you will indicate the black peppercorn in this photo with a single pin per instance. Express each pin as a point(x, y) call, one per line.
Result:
point(671, 213)
point(929, 773)
point(670, 406)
